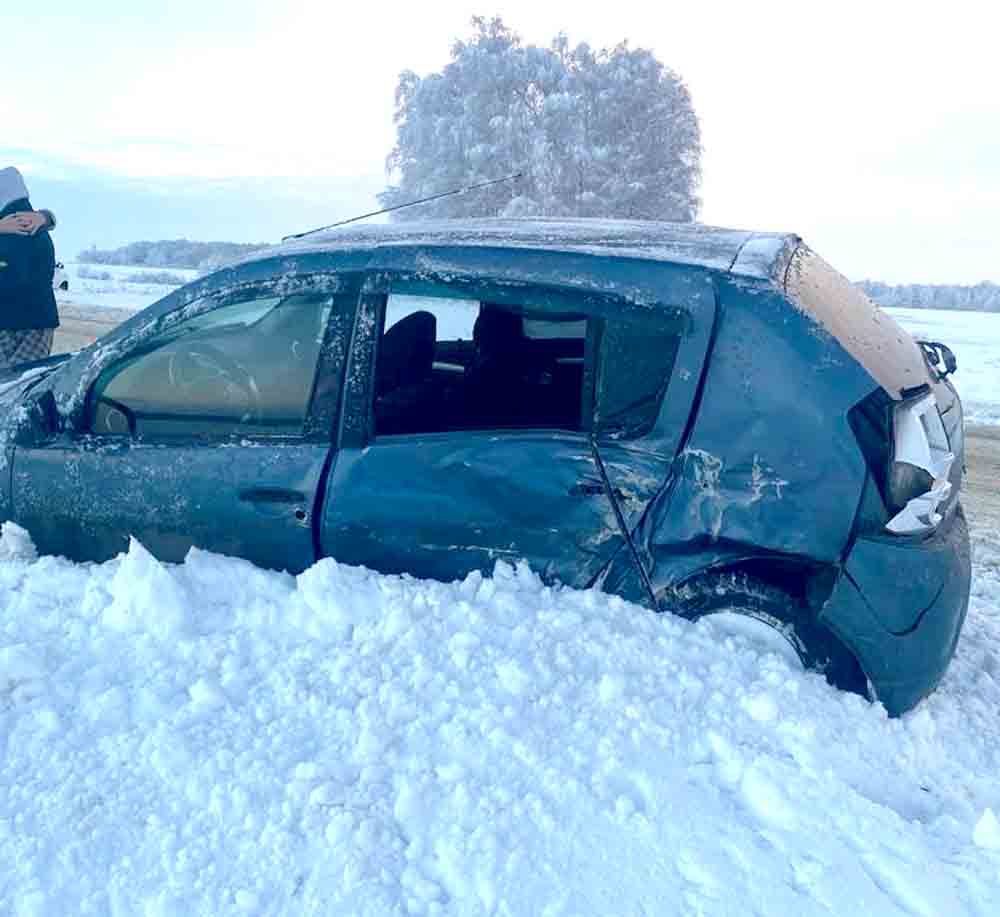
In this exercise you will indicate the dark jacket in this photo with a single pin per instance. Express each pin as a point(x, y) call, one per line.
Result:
point(26, 297)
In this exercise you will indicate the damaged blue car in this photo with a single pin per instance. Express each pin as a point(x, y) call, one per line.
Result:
point(704, 421)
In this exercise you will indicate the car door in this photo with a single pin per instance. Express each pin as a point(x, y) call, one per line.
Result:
point(215, 429)
point(447, 464)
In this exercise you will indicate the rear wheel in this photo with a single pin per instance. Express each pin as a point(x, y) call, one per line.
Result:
point(772, 619)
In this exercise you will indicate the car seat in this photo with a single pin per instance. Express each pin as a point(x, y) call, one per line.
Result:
point(406, 354)
point(404, 389)
point(511, 382)
point(497, 334)
point(495, 380)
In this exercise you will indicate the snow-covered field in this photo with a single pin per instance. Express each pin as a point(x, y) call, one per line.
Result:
point(975, 339)
point(115, 287)
point(212, 739)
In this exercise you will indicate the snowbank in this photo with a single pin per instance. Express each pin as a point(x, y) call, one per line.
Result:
point(215, 739)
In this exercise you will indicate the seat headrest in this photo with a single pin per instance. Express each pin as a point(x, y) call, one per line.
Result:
point(406, 354)
point(497, 330)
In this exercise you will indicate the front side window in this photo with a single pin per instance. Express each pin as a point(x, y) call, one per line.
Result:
point(245, 368)
point(472, 364)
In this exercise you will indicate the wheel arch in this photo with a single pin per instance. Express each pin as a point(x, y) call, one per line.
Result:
point(803, 578)
point(806, 583)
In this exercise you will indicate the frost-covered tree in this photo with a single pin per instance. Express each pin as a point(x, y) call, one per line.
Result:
point(594, 133)
point(982, 297)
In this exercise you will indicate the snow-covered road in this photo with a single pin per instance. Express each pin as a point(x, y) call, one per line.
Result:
point(215, 739)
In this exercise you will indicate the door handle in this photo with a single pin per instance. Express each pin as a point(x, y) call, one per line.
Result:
point(272, 495)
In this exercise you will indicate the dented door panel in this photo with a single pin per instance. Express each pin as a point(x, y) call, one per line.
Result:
point(771, 464)
point(443, 505)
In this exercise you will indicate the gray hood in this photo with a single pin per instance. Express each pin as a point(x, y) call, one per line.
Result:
point(12, 186)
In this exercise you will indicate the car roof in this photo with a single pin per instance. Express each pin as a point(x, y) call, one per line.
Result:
point(740, 252)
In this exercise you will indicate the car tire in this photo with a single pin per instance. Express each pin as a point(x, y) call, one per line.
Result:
point(741, 594)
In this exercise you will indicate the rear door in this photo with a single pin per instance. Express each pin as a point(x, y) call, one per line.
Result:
point(467, 434)
point(215, 430)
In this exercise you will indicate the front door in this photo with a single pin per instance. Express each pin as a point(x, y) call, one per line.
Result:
point(215, 431)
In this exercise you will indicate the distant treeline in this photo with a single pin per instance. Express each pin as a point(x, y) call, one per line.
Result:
point(155, 278)
point(980, 297)
point(202, 256)
point(206, 256)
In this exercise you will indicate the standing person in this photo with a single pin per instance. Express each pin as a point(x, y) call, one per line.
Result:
point(28, 313)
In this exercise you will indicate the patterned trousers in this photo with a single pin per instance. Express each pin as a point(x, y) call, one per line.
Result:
point(24, 346)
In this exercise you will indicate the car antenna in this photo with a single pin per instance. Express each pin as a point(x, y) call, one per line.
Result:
point(423, 200)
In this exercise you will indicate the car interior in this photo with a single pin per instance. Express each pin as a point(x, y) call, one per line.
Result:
point(519, 370)
point(242, 368)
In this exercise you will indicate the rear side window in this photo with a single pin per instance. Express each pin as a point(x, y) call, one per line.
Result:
point(633, 371)
point(448, 363)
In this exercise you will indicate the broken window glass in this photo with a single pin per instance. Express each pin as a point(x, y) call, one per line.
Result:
point(471, 364)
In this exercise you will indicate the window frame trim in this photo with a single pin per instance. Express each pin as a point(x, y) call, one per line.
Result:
point(358, 416)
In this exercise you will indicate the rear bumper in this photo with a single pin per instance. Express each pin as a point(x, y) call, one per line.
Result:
point(899, 606)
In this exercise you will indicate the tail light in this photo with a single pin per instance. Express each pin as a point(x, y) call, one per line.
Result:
point(907, 450)
point(921, 462)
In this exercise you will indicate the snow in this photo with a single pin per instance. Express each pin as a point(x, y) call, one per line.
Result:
point(974, 337)
point(696, 244)
point(987, 833)
point(211, 738)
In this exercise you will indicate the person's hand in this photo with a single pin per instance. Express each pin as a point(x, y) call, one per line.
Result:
point(14, 225)
point(28, 222)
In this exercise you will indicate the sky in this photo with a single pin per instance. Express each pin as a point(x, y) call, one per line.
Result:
point(872, 130)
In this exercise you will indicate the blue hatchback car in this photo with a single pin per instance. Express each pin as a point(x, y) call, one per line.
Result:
point(701, 420)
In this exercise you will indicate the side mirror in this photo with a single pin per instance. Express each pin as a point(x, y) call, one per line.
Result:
point(112, 418)
point(940, 357)
point(950, 363)
point(39, 421)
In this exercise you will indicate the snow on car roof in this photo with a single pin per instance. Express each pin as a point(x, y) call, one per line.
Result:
point(693, 244)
